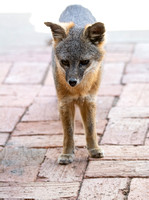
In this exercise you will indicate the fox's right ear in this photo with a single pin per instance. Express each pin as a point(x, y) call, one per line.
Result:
point(57, 31)
point(95, 33)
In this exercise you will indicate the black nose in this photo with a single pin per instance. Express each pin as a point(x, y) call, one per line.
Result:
point(72, 82)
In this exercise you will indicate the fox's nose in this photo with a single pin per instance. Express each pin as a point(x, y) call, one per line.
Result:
point(72, 82)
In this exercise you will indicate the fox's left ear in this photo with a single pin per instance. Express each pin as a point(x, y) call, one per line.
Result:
point(59, 31)
point(95, 33)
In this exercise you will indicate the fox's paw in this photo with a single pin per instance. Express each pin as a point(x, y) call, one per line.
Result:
point(96, 153)
point(65, 159)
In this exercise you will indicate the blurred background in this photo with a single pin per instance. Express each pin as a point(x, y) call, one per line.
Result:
point(21, 21)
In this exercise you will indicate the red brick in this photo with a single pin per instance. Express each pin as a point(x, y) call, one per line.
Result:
point(140, 68)
point(20, 164)
point(147, 139)
point(44, 109)
point(9, 118)
point(52, 127)
point(139, 189)
point(38, 128)
point(48, 91)
point(27, 73)
point(100, 127)
point(128, 112)
point(12, 101)
point(4, 69)
point(119, 48)
point(51, 171)
point(103, 188)
point(49, 78)
point(117, 57)
point(3, 138)
point(113, 152)
point(117, 169)
point(38, 190)
point(44, 141)
point(112, 73)
point(104, 104)
point(126, 131)
point(141, 53)
point(134, 95)
point(19, 91)
point(135, 78)
point(30, 55)
point(110, 90)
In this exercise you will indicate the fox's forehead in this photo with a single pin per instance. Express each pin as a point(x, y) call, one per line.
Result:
point(76, 47)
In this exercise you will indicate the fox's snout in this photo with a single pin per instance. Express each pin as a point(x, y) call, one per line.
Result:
point(72, 82)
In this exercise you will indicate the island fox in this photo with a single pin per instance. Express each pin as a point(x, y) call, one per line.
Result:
point(78, 42)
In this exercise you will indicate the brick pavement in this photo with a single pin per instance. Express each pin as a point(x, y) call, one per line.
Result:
point(31, 132)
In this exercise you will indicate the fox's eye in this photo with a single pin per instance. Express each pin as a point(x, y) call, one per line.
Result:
point(84, 62)
point(65, 62)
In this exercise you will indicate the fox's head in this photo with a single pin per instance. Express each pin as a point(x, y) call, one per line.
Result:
point(78, 50)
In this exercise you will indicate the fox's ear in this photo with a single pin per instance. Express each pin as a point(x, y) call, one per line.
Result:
point(57, 31)
point(95, 33)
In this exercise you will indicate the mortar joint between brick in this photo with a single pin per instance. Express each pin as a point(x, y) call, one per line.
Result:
point(82, 178)
point(11, 66)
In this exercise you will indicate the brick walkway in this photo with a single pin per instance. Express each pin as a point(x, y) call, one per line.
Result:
point(31, 133)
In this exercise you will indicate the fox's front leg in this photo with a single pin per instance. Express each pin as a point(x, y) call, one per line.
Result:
point(88, 112)
point(67, 111)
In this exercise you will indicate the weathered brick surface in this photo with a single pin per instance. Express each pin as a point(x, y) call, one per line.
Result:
point(117, 57)
point(141, 53)
point(139, 189)
point(17, 95)
point(49, 81)
point(19, 90)
point(52, 127)
point(40, 190)
point(114, 152)
point(44, 141)
point(115, 76)
point(9, 118)
point(39, 54)
point(147, 139)
point(119, 47)
point(48, 91)
point(129, 112)
point(3, 138)
point(103, 106)
point(103, 188)
point(51, 171)
point(136, 73)
point(141, 68)
point(134, 95)
point(20, 164)
point(117, 169)
point(44, 109)
point(125, 131)
point(110, 90)
point(27, 73)
point(136, 78)
point(4, 69)
point(38, 128)
point(12, 101)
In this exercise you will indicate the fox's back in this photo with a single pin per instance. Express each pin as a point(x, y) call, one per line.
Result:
point(79, 15)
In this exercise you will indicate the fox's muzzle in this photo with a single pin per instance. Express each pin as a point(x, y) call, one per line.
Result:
point(72, 82)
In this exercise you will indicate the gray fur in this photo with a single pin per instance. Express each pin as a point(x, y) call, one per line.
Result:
point(76, 46)
point(79, 15)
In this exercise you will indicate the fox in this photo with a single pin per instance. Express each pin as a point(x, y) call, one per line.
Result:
point(77, 54)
